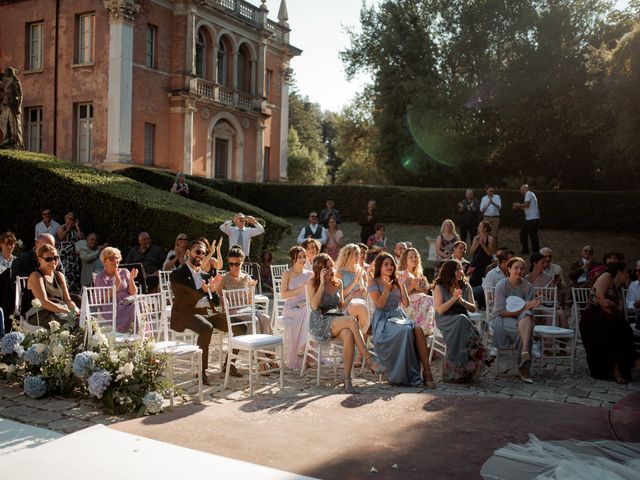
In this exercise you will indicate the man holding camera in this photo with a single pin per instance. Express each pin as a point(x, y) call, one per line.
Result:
point(490, 206)
point(238, 232)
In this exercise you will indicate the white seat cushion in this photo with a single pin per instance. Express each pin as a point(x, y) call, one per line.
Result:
point(175, 348)
point(258, 340)
point(549, 330)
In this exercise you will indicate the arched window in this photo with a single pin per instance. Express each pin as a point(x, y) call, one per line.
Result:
point(244, 69)
point(201, 55)
point(222, 63)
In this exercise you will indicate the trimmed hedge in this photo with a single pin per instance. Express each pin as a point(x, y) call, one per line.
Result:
point(275, 227)
point(117, 208)
point(566, 210)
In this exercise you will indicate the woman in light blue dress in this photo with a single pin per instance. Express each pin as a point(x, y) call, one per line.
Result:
point(327, 320)
point(400, 344)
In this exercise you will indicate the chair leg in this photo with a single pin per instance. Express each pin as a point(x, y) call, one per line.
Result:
point(318, 362)
point(281, 367)
point(251, 357)
point(304, 358)
point(170, 375)
point(199, 357)
point(228, 369)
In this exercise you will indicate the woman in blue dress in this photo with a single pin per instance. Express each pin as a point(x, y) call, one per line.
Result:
point(328, 321)
point(400, 344)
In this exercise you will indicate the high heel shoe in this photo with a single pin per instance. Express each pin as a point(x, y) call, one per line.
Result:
point(375, 367)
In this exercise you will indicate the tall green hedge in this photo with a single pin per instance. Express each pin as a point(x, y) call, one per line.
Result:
point(275, 227)
point(114, 206)
point(570, 210)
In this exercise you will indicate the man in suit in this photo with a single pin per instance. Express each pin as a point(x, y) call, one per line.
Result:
point(195, 301)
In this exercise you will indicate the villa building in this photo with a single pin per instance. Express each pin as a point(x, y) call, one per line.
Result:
point(198, 86)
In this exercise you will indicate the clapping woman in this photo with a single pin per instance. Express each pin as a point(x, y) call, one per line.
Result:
point(68, 234)
point(420, 308)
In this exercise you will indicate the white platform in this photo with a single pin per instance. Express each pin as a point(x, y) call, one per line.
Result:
point(16, 436)
point(100, 453)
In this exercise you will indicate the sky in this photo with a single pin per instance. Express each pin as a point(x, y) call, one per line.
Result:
point(317, 27)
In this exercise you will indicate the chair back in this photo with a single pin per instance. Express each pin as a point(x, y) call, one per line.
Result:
point(99, 306)
point(140, 280)
point(277, 271)
point(165, 286)
point(278, 301)
point(431, 256)
point(631, 317)
point(581, 298)
point(490, 300)
point(253, 269)
point(21, 285)
point(548, 308)
point(151, 313)
point(240, 309)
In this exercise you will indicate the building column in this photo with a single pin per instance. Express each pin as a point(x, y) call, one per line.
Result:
point(260, 151)
point(191, 41)
point(261, 69)
point(284, 121)
point(122, 14)
point(187, 160)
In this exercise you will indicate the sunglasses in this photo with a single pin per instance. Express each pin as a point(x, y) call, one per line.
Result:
point(51, 259)
point(199, 252)
point(234, 264)
point(113, 258)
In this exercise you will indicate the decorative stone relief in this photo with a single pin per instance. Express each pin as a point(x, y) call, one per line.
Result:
point(126, 10)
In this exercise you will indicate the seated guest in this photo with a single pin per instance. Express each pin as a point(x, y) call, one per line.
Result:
point(195, 295)
point(47, 225)
point(329, 212)
point(552, 269)
point(240, 230)
point(400, 344)
point(178, 255)
point(459, 250)
point(398, 250)
point(493, 277)
point(66, 237)
point(266, 260)
point(7, 244)
point(606, 335)
point(580, 270)
point(125, 286)
point(28, 262)
point(445, 241)
point(334, 240)
point(515, 325)
point(150, 256)
point(89, 253)
point(633, 295)
point(453, 298)
point(313, 231)
point(179, 187)
point(48, 286)
point(212, 264)
point(482, 249)
point(327, 320)
point(420, 309)
point(311, 249)
point(294, 314)
point(538, 278)
point(376, 243)
point(363, 260)
point(494, 264)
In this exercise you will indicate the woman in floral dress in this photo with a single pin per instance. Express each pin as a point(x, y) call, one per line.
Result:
point(68, 234)
point(420, 309)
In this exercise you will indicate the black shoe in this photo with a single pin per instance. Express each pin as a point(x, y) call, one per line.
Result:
point(233, 371)
point(205, 379)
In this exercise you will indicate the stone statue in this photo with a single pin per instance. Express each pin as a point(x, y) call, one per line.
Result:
point(11, 109)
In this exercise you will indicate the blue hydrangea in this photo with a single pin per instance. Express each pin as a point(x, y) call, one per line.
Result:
point(98, 383)
point(153, 401)
point(33, 357)
point(11, 343)
point(35, 386)
point(84, 364)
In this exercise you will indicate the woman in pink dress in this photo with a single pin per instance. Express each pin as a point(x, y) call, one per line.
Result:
point(421, 308)
point(295, 315)
point(334, 239)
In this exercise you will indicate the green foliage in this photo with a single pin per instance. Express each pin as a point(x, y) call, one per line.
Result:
point(304, 165)
point(306, 118)
point(275, 227)
point(117, 208)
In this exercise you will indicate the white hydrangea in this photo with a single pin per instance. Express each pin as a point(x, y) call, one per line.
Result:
point(57, 350)
point(98, 339)
point(64, 334)
point(54, 326)
point(123, 354)
point(35, 303)
point(40, 347)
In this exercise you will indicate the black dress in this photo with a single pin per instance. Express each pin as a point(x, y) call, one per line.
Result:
point(481, 260)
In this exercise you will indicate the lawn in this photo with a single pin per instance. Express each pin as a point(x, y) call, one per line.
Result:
point(566, 245)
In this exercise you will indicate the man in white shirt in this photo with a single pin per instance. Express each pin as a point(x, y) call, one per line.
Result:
point(47, 225)
point(633, 295)
point(531, 220)
point(493, 276)
point(313, 230)
point(238, 233)
point(490, 206)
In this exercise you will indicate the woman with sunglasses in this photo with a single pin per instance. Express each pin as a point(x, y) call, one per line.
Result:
point(125, 286)
point(49, 287)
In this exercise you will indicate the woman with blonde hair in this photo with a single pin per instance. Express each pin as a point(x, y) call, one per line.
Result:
point(420, 309)
point(178, 255)
point(445, 241)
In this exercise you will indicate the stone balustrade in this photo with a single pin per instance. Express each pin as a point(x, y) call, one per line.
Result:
point(225, 95)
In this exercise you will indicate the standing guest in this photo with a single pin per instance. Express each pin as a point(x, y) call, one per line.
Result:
point(398, 250)
point(7, 244)
point(459, 250)
point(335, 238)
point(376, 243)
point(514, 323)
point(469, 209)
point(579, 272)
point(368, 221)
point(606, 335)
point(150, 256)
point(313, 231)
point(124, 280)
point(400, 344)
point(239, 232)
point(490, 206)
point(67, 236)
point(453, 298)
point(329, 212)
point(178, 255)
point(47, 225)
point(195, 294)
point(482, 250)
point(445, 241)
point(179, 187)
point(531, 220)
point(633, 295)
point(311, 249)
point(294, 314)
point(328, 321)
point(266, 260)
point(89, 252)
point(420, 309)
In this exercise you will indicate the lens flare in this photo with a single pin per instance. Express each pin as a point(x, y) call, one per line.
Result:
point(431, 132)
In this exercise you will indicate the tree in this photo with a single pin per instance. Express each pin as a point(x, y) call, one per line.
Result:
point(304, 165)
